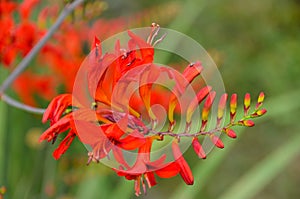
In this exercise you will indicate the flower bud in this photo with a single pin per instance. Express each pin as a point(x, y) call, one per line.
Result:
point(198, 148)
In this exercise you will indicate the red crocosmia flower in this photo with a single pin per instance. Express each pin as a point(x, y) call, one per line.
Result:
point(118, 106)
point(109, 137)
point(118, 131)
point(64, 52)
point(144, 169)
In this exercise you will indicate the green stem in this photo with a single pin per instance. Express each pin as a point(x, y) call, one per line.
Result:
point(21, 106)
point(203, 172)
point(3, 143)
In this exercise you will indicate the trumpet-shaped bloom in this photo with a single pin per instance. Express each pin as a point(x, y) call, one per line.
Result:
point(114, 111)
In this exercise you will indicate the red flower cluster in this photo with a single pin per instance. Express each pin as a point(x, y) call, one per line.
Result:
point(113, 123)
point(20, 31)
point(18, 37)
point(15, 39)
point(63, 54)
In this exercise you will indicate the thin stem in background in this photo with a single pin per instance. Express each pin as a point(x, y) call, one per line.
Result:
point(27, 59)
point(21, 106)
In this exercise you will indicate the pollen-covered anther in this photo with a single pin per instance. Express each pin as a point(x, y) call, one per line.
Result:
point(248, 123)
point(159, 137)
point(154, 31)
point(94, 106)
point(247, 102)
point(92, 158)
point(90, 155)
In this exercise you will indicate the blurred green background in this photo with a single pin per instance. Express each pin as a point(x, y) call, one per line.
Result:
point(256, 45)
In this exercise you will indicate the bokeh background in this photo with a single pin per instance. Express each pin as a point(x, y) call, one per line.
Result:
point(256, 45)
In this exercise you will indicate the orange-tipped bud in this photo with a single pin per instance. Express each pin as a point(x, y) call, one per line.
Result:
point(206, 108)
point(217, 141)
point(260, 100)
point(221, 108)
point(248, 123)
point(247, 102)
point(259, 113)
point(233, 106)
point(192, 71)
point(196, 101)
point(230, 133)
point(198, 148)
point(172, 106)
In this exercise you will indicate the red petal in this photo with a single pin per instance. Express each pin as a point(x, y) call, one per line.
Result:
point(6, 7)
point(131, 142)
point(185, 170)
point(62, 125)
point(56, 108)
point(146, 49)
point(119, 156)
point(157, 164)
point(116, 131)
point(168, 171)
point(64, 145)
point(89, 133)
point(150, 178)
point(26, 7)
